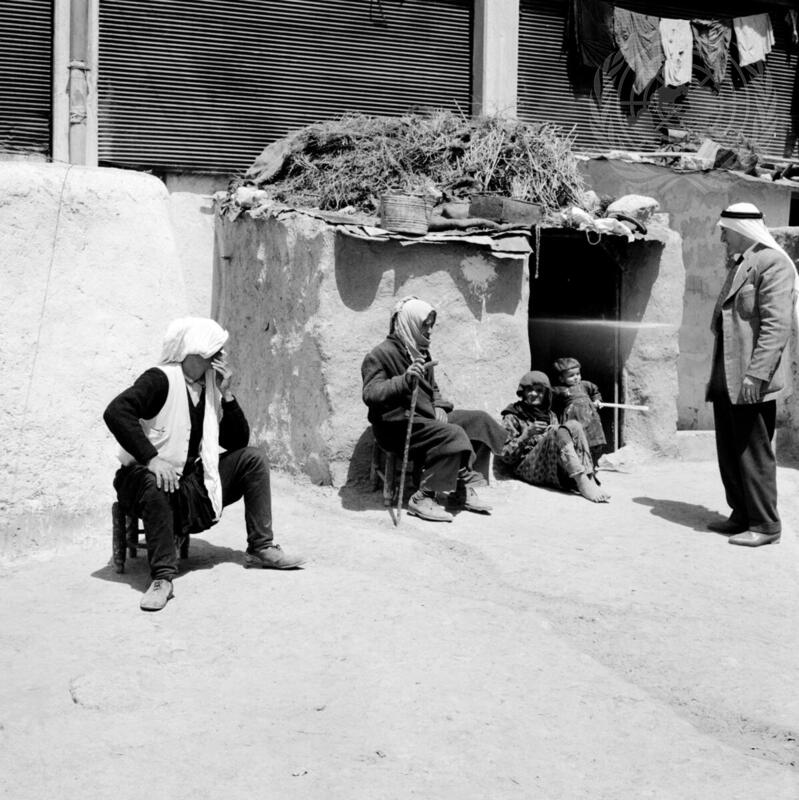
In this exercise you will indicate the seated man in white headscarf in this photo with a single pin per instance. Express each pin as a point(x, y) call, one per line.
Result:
point(752, 322)
point(442, 437)
point(171, 425)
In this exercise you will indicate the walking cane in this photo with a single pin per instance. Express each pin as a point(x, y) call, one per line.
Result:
point(414, 395)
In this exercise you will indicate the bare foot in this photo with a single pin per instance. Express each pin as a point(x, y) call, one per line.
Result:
point(587, 487)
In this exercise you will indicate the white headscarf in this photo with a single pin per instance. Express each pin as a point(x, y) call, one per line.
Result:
point(190, 336)
point(203, 337)
point(407, 318)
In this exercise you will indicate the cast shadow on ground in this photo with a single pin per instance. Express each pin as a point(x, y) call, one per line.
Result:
point(202, 555)
point(359, 493)
point(690, 515)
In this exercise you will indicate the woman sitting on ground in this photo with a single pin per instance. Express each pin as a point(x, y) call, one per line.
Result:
point(444, 439)
point(543, 452)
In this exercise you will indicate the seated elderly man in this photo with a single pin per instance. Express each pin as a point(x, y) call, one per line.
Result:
point(442, 437)
point(171, 425)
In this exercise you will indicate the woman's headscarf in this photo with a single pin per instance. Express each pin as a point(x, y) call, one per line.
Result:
point(203, 337)
point(531, 379)
point(407, 318)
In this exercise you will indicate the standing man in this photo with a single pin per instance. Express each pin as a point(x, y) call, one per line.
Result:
point(171, 425)
point(752, 323)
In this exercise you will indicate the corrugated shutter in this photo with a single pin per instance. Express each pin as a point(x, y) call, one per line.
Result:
point(206, 84)
point(26, 35)
point(760, 109)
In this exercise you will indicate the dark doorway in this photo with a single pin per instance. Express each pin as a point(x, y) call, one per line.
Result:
point(574, 311)
point(793, 214)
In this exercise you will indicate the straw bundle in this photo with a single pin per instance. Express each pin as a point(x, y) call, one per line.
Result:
point(350, 162)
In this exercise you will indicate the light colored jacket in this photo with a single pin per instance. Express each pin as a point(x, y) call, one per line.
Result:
point(756, 317)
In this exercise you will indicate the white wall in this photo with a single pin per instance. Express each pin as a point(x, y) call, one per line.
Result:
point(191, 210)
point(92, 275)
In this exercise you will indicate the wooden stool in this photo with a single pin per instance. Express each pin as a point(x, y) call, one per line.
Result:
point(385, 472)
point(125, 532)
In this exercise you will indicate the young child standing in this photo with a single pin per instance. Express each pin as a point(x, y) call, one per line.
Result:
point(574, 398)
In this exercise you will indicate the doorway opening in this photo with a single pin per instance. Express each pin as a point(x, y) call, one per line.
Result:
point(575, 309)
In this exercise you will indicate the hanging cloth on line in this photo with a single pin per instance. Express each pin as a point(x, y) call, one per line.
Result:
point(755, 38)
point(592, 22)
point(638, 38)
point(712, 37)
point(678, 49)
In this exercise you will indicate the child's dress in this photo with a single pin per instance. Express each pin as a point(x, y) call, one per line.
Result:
point(577, 402)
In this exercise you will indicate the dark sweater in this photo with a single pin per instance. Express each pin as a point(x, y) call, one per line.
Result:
point(386, 391)
point(146, 398)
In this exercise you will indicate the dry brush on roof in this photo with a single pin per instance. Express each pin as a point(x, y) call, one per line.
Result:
point(348, 163)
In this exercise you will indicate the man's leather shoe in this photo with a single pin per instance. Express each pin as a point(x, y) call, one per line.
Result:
point(157, 596)
point(272, 557)
point(425, 507)
point(727, 526)
point(466, 498)
point(754, 539)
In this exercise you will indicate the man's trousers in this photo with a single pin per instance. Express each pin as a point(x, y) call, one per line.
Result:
point(747, 462)
point(243, 473)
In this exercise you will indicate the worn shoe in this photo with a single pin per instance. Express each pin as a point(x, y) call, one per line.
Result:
point(465, 497)
point(754, 539)
point(426, 507)
point(727, 526)
point(157, 596)
point(272, 557)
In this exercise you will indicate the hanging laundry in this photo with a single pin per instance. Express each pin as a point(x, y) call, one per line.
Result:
point(638, 38)
point(712, 38)
point(593, 30)
point(678, 49)
point(792, 18)
point(755, 38)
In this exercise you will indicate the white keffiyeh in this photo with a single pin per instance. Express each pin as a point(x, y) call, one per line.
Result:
point(747, 219)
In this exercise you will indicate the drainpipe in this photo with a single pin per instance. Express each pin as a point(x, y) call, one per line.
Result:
point(78, 84)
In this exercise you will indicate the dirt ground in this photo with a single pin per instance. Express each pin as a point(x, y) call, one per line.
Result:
point(555, 649)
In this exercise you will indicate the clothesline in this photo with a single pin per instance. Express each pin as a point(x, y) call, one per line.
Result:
point(649, 44)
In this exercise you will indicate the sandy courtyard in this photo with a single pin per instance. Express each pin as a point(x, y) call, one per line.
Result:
point(553, 650)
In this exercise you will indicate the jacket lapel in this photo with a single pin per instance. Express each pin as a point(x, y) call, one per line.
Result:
point(741, 274)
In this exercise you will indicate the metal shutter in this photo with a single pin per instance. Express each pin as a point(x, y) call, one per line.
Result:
point(206, 84)
point(760, 109)
point(26, 35)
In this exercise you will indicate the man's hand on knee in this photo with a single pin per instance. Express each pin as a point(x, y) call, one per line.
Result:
point(167, 476)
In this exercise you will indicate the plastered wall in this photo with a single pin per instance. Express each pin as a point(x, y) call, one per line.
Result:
point(304, 305)
point(191, 212)
point(652, 287)
point(91, 276)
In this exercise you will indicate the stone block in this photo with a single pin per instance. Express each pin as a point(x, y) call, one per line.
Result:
point(636, 206)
